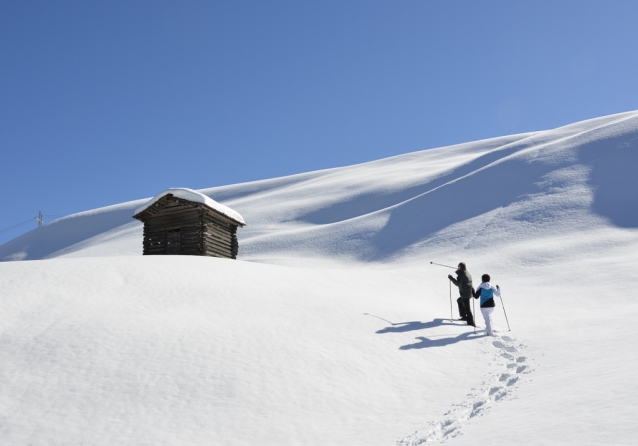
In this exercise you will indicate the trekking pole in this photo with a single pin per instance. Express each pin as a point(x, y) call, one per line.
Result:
point(505, 312)
point(450, 299)
point(473, 312)
point(447, 266)
point(440, 264)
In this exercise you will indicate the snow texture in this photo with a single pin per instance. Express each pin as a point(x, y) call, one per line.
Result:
point(195, 197)
point(333, 328)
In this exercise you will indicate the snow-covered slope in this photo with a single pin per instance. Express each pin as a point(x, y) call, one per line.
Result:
point(392, 208)
point(337, 330)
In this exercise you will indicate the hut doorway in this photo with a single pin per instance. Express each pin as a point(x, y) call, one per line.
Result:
point(173, 241)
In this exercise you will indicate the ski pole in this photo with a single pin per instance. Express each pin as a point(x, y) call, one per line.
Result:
point(504, 312)
point(440, 264)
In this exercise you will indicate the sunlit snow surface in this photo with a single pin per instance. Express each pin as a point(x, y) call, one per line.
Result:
point(195, 197)
point(333, 328)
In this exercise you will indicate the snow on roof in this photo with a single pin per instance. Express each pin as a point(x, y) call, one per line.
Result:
point(196, 197)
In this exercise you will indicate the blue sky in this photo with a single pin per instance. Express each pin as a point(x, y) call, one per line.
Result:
point(105, 102)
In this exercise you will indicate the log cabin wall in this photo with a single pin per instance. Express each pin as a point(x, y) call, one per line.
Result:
point(174, 229)
point(220, 235)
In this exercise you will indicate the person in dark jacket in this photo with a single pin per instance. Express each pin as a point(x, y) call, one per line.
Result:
point(486, 292)
point(464, 282)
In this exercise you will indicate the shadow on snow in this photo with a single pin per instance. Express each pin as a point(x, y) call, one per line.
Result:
point(402, 327)
point(428, 343)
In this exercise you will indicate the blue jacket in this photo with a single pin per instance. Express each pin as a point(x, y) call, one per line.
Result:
point(486, 292)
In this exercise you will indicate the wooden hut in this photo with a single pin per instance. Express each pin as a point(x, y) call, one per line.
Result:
point(185, 222)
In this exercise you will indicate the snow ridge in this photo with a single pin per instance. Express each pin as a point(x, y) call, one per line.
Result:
point(389, 210)
point(501, 385)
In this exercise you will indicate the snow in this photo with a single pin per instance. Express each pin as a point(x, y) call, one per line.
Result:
point(195, 197)
point(333, 327)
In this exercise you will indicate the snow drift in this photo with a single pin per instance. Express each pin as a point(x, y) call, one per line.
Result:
point(337, 330)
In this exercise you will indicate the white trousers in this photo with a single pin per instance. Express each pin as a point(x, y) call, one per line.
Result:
point(487, 315)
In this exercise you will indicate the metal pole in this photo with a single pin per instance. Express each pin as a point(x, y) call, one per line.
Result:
point(450, 299)
point(447, 266)
point(473, 313)
point(508, 322)
point(439, 264)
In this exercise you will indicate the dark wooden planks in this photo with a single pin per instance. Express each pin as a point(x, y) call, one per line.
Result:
point(196, 228)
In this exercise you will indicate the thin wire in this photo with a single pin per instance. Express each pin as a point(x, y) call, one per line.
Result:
point(15, 226)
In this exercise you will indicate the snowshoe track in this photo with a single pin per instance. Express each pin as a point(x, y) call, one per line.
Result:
point(501, 384)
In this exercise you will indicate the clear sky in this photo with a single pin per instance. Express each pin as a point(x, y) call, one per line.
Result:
point(105, 102)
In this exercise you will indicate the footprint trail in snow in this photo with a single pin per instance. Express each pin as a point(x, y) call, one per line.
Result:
point(500, 385)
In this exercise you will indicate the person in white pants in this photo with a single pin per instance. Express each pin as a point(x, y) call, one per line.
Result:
point(486, 292)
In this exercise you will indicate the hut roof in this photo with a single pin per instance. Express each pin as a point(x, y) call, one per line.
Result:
point(195, 197)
